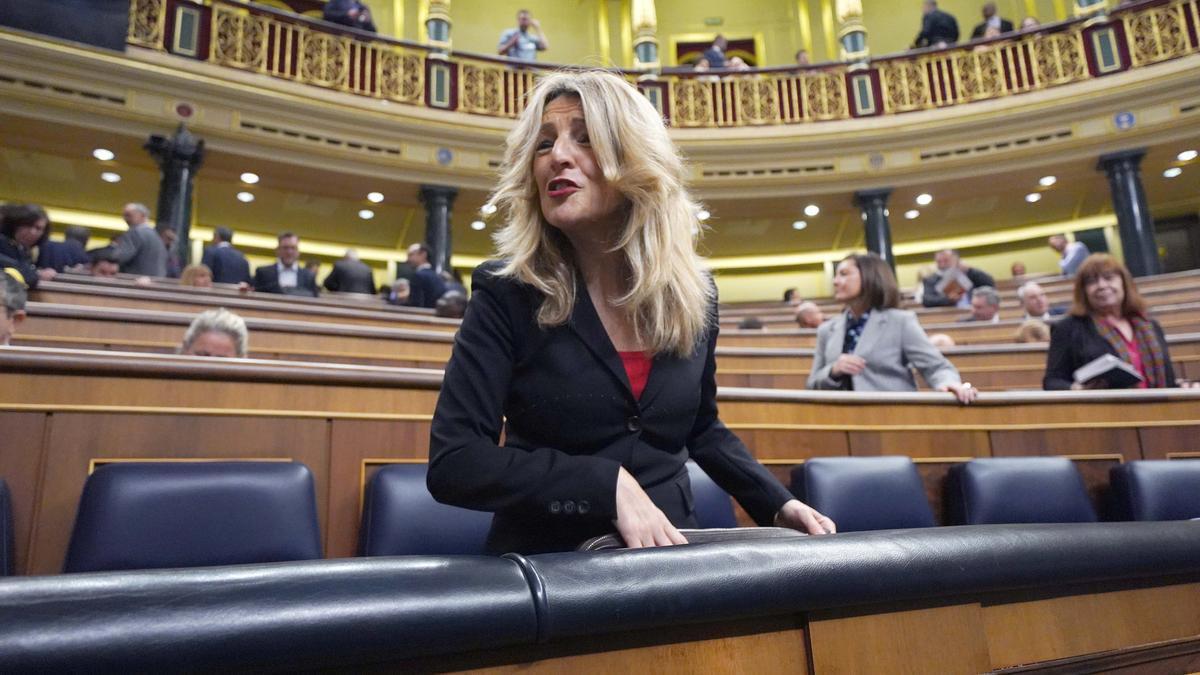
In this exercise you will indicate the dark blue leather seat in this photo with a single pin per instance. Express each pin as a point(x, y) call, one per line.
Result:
point(1017, 490)
point(191, 514)
point(6, 531)
point(864, 493)
point(400, 517)
point(1156, 489)
point(714, 506)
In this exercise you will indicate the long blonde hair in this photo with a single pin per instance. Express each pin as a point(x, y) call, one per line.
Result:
point(667, 295)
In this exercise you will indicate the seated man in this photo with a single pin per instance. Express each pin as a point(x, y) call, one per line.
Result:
point(953, 282)
point(286, 276)
point(68, 253)
point(104, 262)
point(1033, 299)
point(216, 332)
point(12, 297)
point(1033, 330)
point(985, 305)
point(808, 315)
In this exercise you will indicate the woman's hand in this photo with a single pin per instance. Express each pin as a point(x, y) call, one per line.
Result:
point(800, 516)
point(964, 392)
point(641, 523)
point(848, 364)
point(46, 273)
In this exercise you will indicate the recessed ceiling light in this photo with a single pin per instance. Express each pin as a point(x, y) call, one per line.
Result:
point(1033, 197)
point(374, 197)
point(478, 225)
point(1047, 181)
point(1172, 172)
point(812, 210)
point(110, 177)
point(104, 154)
point(911, 213)
point(487, 209)
point(703, 215)
point(799, 225)
point(924, 199)
point(366, 214)
point(245, 197)
point(1186, 155)
point(249, 178)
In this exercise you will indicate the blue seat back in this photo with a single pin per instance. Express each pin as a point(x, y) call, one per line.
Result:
point(714, 506)
point(400, 517)
point(192, 514)
point(1017, 490)
point(6, 531)
point(864, 493)
point(1157, 489)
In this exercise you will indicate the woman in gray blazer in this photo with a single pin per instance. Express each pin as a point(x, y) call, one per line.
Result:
point(873, 345)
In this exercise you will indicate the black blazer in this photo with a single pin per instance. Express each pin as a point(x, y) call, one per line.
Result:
point(18, 257)
point(937, 26)
point(266, 280)
point(1075, 342)
point(228, 265)
point(351, 276)
point(571, 423)
point(425, 288)
point(1006, 26)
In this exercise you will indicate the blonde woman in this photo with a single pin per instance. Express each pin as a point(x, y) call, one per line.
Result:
point(591, 341)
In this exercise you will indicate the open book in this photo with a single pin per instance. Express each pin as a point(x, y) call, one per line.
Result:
point(1115, 372)
point(953, 285)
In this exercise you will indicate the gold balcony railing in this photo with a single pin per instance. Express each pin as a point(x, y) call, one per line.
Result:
point(264, 40)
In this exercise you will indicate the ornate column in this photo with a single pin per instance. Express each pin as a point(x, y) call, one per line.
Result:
point(437, 26)
point(178, 158)
point(645, 34)
point(875, 221)
point(1133, 213)
point(438, 200)
point(852, 34)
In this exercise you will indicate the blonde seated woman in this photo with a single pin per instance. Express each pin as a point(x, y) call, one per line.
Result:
point(197, 276)
point(590, 342)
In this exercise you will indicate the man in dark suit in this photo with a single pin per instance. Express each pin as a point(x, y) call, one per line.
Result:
point(427, 286)
point(1033, 300)
point(350, 13)
point(351, 275)
point(952, 293)
point(938, 28)
point(228, 265)
point(286, 275)
point(70, 252)
point(991, 19)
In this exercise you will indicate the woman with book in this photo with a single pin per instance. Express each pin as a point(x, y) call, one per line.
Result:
point(1108, 340)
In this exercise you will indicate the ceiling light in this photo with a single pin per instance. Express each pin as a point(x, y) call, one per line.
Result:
point(1047, 181)
point(487, 209)
point(911, 213)
point(703, 215)
point(812, 210)
point(110, 177)
point(374, 197)
point(478, 225)
point(104, 154)
point(1172, 172)
point(366, 214)
point(799, 225)
point(1186, 155)
point(245, 197)
point(249, 178)
point(1033, 197)
point(924, 199)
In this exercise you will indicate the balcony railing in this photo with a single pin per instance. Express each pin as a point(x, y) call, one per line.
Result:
point(292, 47)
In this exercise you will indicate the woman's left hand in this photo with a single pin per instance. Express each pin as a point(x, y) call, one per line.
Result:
point(800, 516)
point(964, 392)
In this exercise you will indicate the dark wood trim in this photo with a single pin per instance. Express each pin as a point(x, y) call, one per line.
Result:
point(1168, 657)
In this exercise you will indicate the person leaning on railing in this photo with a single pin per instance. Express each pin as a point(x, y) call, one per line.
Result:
point(1107, 317)
point(23, 228)
point(873, 345)
point(591, 343)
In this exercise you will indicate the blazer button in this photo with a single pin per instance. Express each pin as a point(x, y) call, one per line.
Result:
point(568, 507)
point(555, 507)
point(634, 424)
point(584, 507)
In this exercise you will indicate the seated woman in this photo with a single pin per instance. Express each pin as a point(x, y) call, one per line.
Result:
point(197, 275)
point(591, 342)
point(216, 332)
point(24, 227)
point(1107, 317)
point(873, 345)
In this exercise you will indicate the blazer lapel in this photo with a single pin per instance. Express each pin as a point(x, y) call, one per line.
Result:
point(871, 332)
point(586, 324)
point(837, 337)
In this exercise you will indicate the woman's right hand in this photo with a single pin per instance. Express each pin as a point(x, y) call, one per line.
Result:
point(848, 364)
point(641, 523)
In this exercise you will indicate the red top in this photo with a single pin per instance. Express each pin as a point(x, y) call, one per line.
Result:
point(1135, 357)
point(637, 367)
